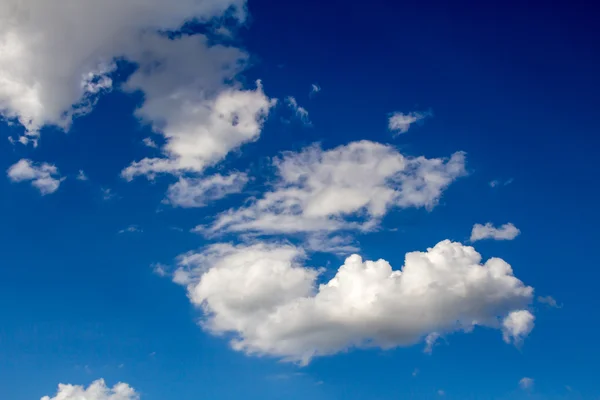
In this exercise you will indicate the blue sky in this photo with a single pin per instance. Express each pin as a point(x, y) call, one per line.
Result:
point(196, 273)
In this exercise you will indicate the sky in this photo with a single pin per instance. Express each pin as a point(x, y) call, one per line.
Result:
point(231, 199)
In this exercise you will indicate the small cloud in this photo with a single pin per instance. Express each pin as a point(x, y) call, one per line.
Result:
point(415, 372)
point(549, 301)
point(300, 112)
point(430, 341)
point(131, 229)
point(488, 231)
point(496, 182)
point(159, 269)
point(43, 176)
point(121, 366)
point(107, 194)
point(81, 176)
point(516, 326)
point(314, 89)
point(441, 393)
point(153, 354)
point(150, 143)
point(400, 122)
point(526, 383)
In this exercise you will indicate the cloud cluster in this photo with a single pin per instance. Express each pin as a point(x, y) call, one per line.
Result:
point(348, 187)
point(96, 391)
point(56, 56)
point(488, 231)
point(274, 305)
point(43, 176)
point(400, 122)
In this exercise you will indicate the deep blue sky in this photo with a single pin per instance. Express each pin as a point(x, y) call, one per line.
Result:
point(514, 86)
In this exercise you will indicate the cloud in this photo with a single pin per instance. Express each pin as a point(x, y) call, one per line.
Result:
point(441, 393)
point(107, 194)
point(314, 89)
point(400, 122)
point(197, 192)
point(496, 182)
point(348, 187)
point(81, 176)
point(96, 391)
point(517, 325)
point(488, 231)
point(274, 305)
point(43, 176)
point(55, 58)
point(300, 112)
point(549, 301)
point(131, 229)
point(526, 383)
point(150, 143)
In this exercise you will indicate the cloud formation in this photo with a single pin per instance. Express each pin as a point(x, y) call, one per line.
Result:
point(43, 176)
point(197, 192)
point(400, 122)
point(96, 391)
point(55, 57)
point(488, 231)
point(274, 305)
point(348, 187)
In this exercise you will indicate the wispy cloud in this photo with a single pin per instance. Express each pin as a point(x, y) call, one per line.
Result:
point(400, 122)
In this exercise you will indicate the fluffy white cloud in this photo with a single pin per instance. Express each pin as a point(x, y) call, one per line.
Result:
point(55, 56)
point(526, 383)
point(400, 122)
point(96, 391)
point(517, 325)
point(197, 192)
point(43, 176)
point(274, 305)
point(488, 231)
point(348, 187)
point(188, 102)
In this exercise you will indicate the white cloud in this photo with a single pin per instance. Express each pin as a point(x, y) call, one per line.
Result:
point(81, 176)
point(274, 305)
point(201, 133)
point(300, 112)
point(441, 393)
point(430, 341)
point(197, 192)
point(526, 383)
point(131, 229)
point(348, 187)
point(496, 182)
point(488, 231)
point(55, 57)
point(107, 193)
point(96, 391)
point(150, 143)
point(314, 89)
point(43, 176)
point(549, 301)
point(517, 325)
point(400, 122)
